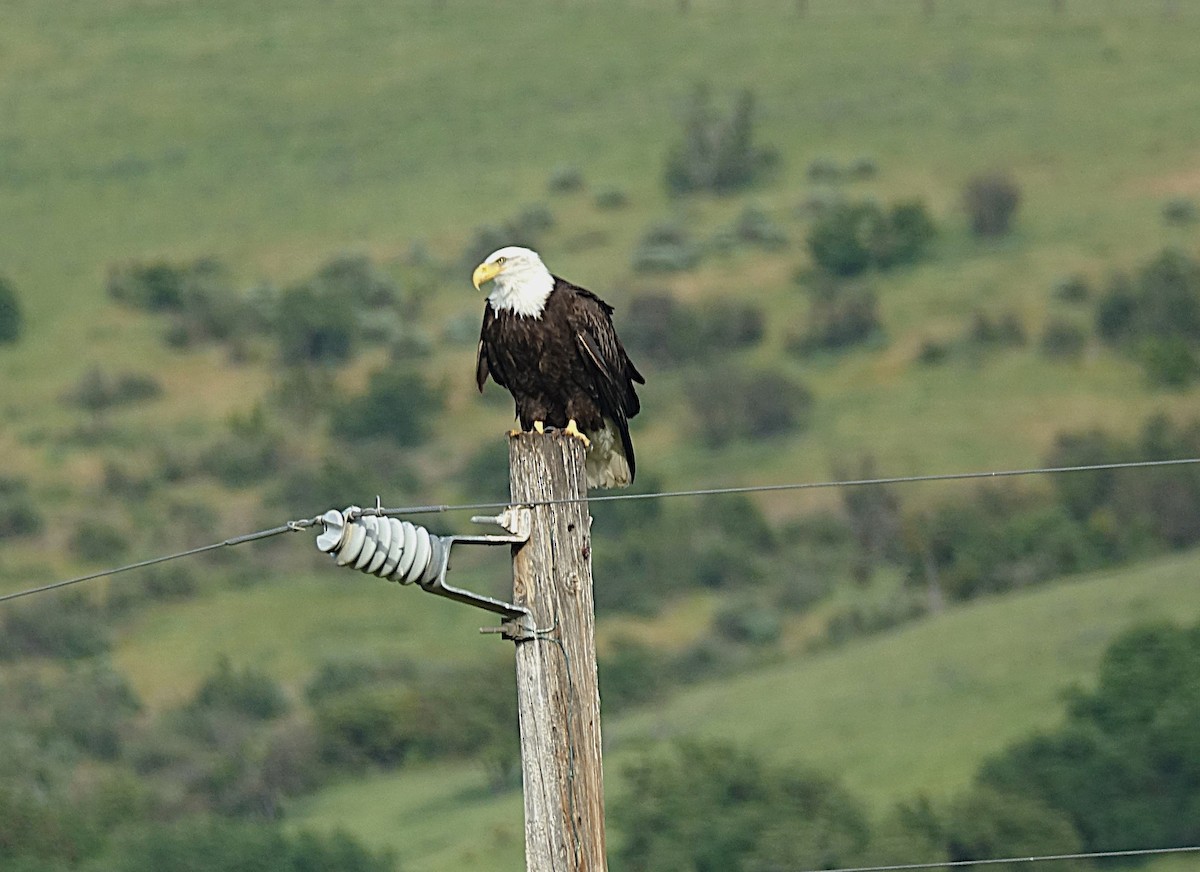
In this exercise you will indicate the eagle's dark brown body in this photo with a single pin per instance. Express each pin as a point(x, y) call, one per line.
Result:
point(565, 364)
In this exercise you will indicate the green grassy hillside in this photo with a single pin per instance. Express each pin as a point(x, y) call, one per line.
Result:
point(273, 137)
point(910, 712)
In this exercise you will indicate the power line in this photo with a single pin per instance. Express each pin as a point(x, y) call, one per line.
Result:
point(290, 527)
point(949, 864)
point(295, 526)
point(808, 485)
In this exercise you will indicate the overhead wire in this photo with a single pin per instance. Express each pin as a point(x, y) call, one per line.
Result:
point(1046, 858)
point(794, 486)
point(381, 511)
point(289, 527)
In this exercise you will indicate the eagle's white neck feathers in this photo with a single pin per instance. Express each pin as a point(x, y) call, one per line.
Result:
point(523, 284)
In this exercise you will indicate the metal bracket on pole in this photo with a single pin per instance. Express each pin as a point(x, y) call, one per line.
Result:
point(406, 553)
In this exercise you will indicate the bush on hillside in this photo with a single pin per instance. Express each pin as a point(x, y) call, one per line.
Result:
point(991, 202)
point(704, 805)
point(247, 691)
point(12, 317)
point(1063, 340)
point(665, 247)
point(396, 407)
point(1123, 768)
point(841, 315)
point(19, 513)
point(96, 390)
point(1155, 316)
point(850, 237)
point(312, 326)
point(565, 179)
point(68, 626)
point(98, 541)
point(717, 153)
point(1003, 331)
point(749, 405)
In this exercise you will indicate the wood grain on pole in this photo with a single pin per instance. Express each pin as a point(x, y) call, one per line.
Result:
point(558, 699)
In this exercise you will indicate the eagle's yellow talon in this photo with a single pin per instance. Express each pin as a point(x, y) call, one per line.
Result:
point(515, 431)
point(573, 430)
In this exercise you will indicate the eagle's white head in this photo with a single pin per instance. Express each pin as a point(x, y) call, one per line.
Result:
point(522, 282)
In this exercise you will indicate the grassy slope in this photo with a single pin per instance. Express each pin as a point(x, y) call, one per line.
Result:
point(273, 135)
point(907, 712)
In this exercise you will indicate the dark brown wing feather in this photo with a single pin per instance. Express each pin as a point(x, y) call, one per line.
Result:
point(612, 372)
point(481, 353)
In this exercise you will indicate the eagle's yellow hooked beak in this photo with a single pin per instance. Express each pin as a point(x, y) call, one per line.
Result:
point(485, 272)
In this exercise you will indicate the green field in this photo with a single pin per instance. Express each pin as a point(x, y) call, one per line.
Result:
point(910, 712)
point(275, 136)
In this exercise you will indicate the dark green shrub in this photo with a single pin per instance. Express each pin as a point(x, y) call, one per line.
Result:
point(96, 390)
point(904, 236)
point(661, 329)
point(1006, 330)
point(93, 708)
point(755, 227)
point(342, 480)
point(1180, 210)
point(631, 673)
point(564, 180)
point(838, 238)
point(611, 198)
point(665, 247)
point(932, 352)
point(396, 407)
point(19, 513)
point(991, 202)
point(1123, 767)
point(748, 623)
point(984, 824)
point(314, 327)
point(847, 238)
point(717, 153)
point(708, 806)
point(1063, 340)
point(1115, 311)
point(247, 692)
point(486, 473)
point(824, 169)
point(533, 219)
point(67, 626)
point(863, 167)
point(1169, 361)
point(356, 279)
point(97, 541)
point(1074, 288)
point(729, 325)
point(840, 316)
point(200, 844)
point(749, 405)
point(12, 318)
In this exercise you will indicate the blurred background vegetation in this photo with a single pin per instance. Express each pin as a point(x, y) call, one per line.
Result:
point(843, 239)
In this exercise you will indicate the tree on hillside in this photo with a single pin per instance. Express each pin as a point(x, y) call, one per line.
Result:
point(717, 153)
point(1125, 767)
point(991, 201)
point(708, 806)
point(12, 320)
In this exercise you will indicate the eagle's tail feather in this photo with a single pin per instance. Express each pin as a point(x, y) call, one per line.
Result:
point(606, 463)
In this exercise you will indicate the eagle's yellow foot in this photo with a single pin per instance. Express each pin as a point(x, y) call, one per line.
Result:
point(515, 431)
point(573, 430)
point(539, 427)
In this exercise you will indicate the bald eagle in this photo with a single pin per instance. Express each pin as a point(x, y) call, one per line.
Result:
point(553, 346)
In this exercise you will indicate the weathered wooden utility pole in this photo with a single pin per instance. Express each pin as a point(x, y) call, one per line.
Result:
point(558, 700)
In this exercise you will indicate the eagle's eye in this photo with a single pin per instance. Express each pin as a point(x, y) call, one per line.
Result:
point(500, 260)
